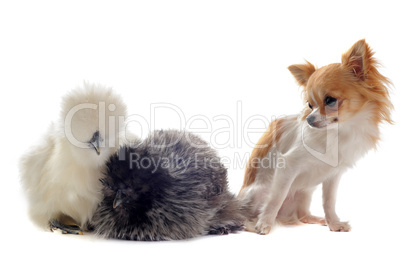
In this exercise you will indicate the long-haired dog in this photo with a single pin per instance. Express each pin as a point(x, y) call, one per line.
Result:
point(344, 106)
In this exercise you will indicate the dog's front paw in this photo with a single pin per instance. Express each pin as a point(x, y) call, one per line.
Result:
point(262, 228)
point(339, 226)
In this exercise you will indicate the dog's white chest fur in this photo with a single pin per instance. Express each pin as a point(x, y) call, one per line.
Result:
point(309, 157)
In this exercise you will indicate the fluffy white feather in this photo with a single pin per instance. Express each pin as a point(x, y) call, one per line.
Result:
point(61, 174)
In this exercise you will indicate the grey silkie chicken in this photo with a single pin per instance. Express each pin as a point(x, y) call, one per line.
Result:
point(170, 186)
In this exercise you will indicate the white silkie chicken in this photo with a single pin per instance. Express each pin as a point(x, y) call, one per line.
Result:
point(61, 175)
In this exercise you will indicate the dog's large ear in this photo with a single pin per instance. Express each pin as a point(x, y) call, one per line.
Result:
point(358, 59)
point(302, 72)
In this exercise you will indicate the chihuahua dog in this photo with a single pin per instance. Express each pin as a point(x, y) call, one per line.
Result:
point(344, 105)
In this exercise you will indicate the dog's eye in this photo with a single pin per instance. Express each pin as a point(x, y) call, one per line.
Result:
point(310, 106)
point(330, 101)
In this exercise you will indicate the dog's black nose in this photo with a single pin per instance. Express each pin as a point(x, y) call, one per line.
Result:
point(310, 120)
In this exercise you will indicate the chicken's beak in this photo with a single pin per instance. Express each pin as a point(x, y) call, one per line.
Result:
point(118, 199)
point(97, 149)
point(95, 142)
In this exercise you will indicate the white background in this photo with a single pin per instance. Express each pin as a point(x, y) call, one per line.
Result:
point(203, 57)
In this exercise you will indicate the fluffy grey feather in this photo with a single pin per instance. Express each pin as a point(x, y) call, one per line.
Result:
point(170, 186)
